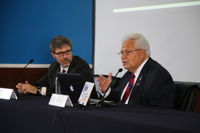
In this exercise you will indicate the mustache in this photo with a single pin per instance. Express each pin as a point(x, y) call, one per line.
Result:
point(66, 59)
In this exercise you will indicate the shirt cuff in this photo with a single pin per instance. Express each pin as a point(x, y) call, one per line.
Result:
point(43, 91)
point(106, 94)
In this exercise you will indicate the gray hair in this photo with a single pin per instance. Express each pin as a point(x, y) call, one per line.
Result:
point(60, 41)
point(140, 42)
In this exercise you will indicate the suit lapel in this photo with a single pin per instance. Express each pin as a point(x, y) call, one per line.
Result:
point(137, 84)
point(140, 77)
point(124, 82)
point(71, 66)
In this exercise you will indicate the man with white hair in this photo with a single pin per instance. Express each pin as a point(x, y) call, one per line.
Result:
point(146, 82)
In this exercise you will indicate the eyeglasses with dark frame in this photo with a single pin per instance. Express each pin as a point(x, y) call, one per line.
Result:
point(60, 54)
point(126, 52)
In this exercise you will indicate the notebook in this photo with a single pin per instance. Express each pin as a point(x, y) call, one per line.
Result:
point(71, 84)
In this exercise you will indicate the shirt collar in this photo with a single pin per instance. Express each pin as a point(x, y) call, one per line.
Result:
point(137, 72)
point(66, 69)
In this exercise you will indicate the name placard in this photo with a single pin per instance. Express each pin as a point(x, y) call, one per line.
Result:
point(85, 94)
point(7, 93)
point(60, 100)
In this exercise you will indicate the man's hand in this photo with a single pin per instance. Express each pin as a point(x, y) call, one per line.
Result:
point(103, 82)
point(26, 88)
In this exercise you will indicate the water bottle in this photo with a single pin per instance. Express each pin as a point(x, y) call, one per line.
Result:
point(57, 86)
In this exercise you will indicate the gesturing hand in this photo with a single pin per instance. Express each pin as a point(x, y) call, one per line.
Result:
point(103, 82)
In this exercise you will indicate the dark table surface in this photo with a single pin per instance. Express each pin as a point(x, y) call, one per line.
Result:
point(31, 113)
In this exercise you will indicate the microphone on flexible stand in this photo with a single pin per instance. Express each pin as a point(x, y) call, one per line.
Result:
point(21, 72)
point(102, 103)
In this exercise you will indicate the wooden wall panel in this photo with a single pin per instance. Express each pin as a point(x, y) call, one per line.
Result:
point(29, 74)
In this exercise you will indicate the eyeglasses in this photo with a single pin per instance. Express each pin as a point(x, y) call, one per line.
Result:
point(126, 52)
point(60, 54)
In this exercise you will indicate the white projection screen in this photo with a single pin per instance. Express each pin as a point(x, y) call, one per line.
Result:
point(172, 28)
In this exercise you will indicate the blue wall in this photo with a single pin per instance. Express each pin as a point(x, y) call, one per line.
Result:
point(28, 26)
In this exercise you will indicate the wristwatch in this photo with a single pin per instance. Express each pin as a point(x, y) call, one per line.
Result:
point(38, 90)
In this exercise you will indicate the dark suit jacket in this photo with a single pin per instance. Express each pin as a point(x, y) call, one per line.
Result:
point(154, 87)
point(77, 65)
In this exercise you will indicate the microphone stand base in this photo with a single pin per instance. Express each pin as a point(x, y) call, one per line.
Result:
point(105, 104)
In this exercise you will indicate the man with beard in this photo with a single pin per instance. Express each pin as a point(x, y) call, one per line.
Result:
point(61, 50)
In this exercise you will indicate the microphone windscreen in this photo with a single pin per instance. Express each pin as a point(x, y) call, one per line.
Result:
point(31, 61)
point(120, 70)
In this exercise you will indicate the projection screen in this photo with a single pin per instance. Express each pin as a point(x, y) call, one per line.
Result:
point(172, 28)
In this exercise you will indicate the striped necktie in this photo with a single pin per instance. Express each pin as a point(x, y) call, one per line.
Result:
point(128, 89)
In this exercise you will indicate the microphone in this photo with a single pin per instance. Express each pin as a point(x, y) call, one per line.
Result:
point(101, 103)
point(21, 72)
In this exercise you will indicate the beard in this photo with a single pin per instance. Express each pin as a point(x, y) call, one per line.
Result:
point(65, 62)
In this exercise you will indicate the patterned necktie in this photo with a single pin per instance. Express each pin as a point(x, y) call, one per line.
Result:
point(128, 89)
point(63, 71)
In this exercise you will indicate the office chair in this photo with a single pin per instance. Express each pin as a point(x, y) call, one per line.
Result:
point(185, 96)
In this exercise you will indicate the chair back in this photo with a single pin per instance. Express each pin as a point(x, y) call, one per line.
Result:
point(185, 96)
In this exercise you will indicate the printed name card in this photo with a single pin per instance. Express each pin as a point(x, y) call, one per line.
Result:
point(85, 94)
point(6, 93)
point(60, 100)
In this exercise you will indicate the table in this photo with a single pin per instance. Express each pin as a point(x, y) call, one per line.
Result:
point(31, 113)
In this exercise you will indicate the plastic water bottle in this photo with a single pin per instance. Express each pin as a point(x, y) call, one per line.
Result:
point(57, 86)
